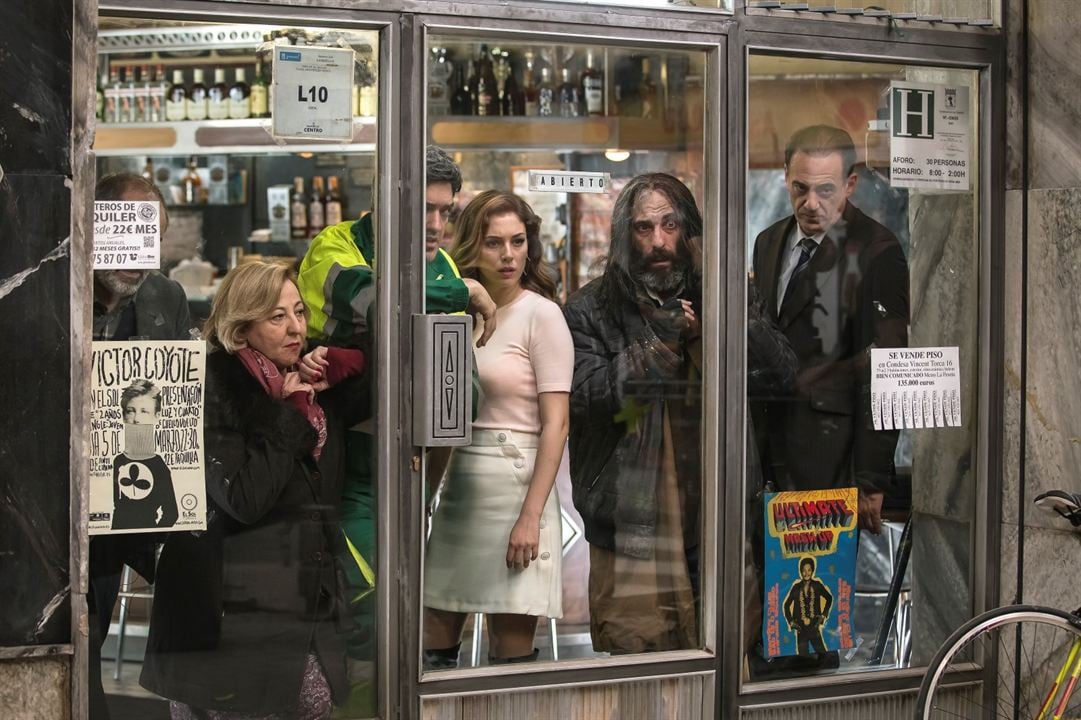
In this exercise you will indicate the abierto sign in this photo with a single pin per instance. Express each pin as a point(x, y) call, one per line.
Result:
point(569, 181)
point(930, 136)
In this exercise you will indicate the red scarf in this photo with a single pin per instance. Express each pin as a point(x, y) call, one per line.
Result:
point(264, 371)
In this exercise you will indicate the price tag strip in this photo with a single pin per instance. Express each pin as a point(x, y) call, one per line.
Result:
point(127, 235)
point(313, 93)
point(915, 388)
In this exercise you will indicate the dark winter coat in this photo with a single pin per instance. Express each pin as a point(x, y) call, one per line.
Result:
point(853, 295)
point(239, 607)
point(624, 379)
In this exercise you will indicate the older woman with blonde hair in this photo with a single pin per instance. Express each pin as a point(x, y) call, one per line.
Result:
point(496, 541)
point(246, 614)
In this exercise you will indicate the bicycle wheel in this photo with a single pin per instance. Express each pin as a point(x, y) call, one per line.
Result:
point(1032, 652)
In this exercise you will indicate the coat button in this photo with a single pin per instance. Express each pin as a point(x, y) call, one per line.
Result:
point(544, 556)
point(502, 437)
point(543, 523)
point(519, 463)
point(314, 516)
point(317, 557)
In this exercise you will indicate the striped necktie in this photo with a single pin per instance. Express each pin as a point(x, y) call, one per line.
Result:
point(806, 250)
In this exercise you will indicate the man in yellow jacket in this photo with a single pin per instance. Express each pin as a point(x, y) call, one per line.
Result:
point(337, 284)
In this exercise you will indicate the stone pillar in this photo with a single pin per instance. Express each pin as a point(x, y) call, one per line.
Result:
point(1050, 386)
point(36, 285)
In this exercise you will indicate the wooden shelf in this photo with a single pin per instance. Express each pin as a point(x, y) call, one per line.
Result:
point(194, 137)
point(455, 132)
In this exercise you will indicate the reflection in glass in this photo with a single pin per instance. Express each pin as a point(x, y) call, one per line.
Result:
point(832, 242)
point(637, 111)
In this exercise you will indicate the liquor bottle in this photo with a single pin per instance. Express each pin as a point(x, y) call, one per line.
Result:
point(570, 104)
point(647, 91)
point(112, 99)
point(471, 87)
point(197, 97)
point(333, 203)
point(368, 91)
point(486, 73)
point(439, 72)
point(485, 97)
point(239, 96)
point(592, 81)
point(148, 169)
point(298, 211)
point(459, 101)
point(529, 92)
point(217, 97)
point(501, 71)
point(192, 183)
point(317, 218)
point(140, 108)
point(155, 111)
point(176, 102)
point(546, 94)
point(126, 96)
point(259, 106)
point(106, 102)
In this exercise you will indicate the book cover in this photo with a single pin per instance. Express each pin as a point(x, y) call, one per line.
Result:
point(810, 571)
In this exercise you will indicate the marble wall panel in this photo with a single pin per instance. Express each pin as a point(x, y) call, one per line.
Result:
point(35, 95)
point(35, 689)
point(34, 481)
point(1053, 389)
point(1014, 314)
point(941, 578)
point(1054, 100)
point(943, 267)
point(1015, 140)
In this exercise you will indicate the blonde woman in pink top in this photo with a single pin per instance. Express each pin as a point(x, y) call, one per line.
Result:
point(496, 540)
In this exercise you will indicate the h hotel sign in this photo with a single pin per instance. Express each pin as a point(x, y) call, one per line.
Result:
point(913, 112)
point(931, 132)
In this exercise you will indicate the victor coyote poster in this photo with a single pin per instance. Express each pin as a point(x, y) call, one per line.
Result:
point(146, 437)
point(810, 569)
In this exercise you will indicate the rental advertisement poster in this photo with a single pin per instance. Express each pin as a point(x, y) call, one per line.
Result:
point(146, 437)
point(810, 571)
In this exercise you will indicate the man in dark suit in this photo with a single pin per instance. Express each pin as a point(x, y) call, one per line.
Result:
point(836, 283)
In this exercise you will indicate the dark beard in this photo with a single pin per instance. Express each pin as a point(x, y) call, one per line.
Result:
point(660, 281)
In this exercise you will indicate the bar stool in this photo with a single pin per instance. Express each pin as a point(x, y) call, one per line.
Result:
point(126, 595)
point(478, 630)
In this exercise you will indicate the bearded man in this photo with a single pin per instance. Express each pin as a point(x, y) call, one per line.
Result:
point(635, 438)
point(128, 305)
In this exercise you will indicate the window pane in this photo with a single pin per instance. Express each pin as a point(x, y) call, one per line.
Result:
point(253, 615)
point(862, 250)
point(949, 11)
point(617, 566)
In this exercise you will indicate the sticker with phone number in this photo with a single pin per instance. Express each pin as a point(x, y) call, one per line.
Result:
point(127, 235)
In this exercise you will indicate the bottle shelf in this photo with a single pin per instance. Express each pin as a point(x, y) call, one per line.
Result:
point(459, 132)
point(199, 137)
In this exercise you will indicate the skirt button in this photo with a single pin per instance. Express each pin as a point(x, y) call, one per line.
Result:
point(502, 437)
point(544, 556)
point(519, 463)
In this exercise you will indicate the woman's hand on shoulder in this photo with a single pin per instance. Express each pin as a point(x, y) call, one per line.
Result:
point(524, 544)
point(312, 368)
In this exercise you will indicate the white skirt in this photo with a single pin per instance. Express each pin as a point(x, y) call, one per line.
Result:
point(465, 569)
